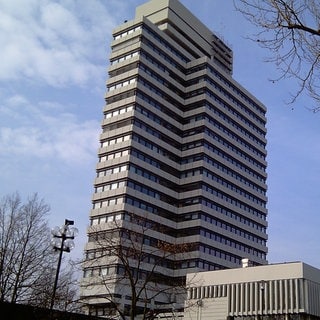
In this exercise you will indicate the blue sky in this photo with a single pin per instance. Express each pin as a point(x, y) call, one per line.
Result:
point(53, 68)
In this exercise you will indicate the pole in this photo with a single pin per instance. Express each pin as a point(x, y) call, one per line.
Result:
point(63, 238)
point(56, 279)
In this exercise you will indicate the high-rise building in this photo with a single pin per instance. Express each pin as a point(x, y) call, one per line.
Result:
point(182, 161)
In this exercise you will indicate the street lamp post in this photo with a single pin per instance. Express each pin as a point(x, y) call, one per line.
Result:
point(62, 240)
point(262, 290)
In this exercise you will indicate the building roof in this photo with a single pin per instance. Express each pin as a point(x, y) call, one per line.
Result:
point(287, 270)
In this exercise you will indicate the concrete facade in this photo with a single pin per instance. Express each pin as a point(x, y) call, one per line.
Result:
point(183, 148)
point(277, 291)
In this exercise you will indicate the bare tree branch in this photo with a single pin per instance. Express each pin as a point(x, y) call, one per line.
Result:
point(139, 265)
point(27, 259)
point(290, 30)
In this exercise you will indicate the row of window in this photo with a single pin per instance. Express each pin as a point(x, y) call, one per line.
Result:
point(216, 178)
point(158, 134)
point(195, 158)
point(211, 134)
point(235, 137)
point(230, 171)
point(193, 201)
point(219, 139)
point(192, 173)
point(144, 189)
point(125, 57)
point(231, 243)
point(235, 112)
point(119, 111)
point(236, 150)
point(212, 70)
point(230, 159)
point(226, 106)
point(122, 84)
point(98, 271)
point(158, 120)
point(145, 206)
point(108, 171)
point(124, 94)
point(157, 91)
point(235, 101)
point(231, 228)
point(152, 193)
point(110, 186)
point(232, 187)
point(234, 216)
point(236, 90)
point(155, 148)
point(220, 209)
point(155, 104)
point(235, 175)
point(170, 127)
point(207, 173)
point(117, 125)
point(127, 32)
point(109, 142)
point(106, 270)
point(212, 205)
point(190, 159)
point(240, 105)
point(218, 125)
point(162, 80)
point(149, 225)
point(204, 265)
point(193, 145)
point(212, 121)
point(153, 74)
point(114, 155)
point(161, 54)
point(154, 62)
point(233, 88)
point(192, 263)
point(235, 124)
point(220, 254)
point(154, 178)
point(144, 173)
point(106, 219)
point(145, 158)
point(150, 130)
point(166, 45)
point(107, 202)
point(152, 209)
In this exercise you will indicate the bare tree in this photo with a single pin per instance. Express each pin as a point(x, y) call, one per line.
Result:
point(27, 260)
point(67, 294)
point(135, 262)
point(290, 29)
point(24, 245)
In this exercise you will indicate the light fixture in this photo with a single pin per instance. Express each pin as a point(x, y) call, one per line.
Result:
point(62, 240)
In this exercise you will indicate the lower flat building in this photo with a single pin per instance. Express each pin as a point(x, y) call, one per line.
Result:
point(275, 291)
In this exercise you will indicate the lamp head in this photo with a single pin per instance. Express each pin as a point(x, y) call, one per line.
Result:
point(69, 222)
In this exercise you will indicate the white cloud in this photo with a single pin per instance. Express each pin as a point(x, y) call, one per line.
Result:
point(49, 49)
point(59, 43)
point(16, 100)
point(37, 133)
